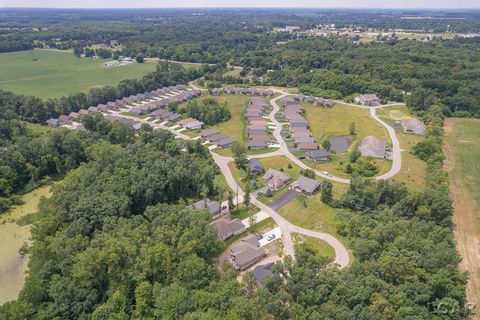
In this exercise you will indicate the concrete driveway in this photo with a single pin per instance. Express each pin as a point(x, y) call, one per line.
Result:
point(273, 235)
point(257, 217)
point(284, 199)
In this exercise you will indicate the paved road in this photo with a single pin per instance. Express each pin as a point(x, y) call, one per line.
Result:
point(284, 199)
point(396, 151)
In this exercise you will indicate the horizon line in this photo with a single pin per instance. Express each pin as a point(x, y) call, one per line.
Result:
point(260, 7)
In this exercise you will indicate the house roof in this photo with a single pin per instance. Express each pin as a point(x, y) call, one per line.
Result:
point(276, 178)
point(372, 146)
point(259, 137)
point(318, 154)
point(304, 139)
point(208, 132)
point(212, 206)
point(216, 137)
point(225, 141)
point(339, 144)
point(257, 144)
point(255, 165)
point(186, 121)
point(308, 146)
point(306, 184)
point(246, 252)
point(226, 226)
point(260, 272)
point(413, 125)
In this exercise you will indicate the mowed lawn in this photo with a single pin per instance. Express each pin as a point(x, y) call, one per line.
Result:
point(319, 246)
point(236, 126)
point(48, 73)
point(335, 121)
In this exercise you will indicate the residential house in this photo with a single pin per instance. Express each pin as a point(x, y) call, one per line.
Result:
point(372, 146)
point(301, 134)
point(303, 140)
point(207, 133)
point(246, 253)
point(305, 146)
point(214, 207)
point(216, 137)
point(257, 144)
point(227, 227)
point(52, 122)
point(275, 179)
point(74, 115)
point(83, 112)
point(255, 166)
point(190, 124)
point(64, 119)
point(368, 100)
point(413, 125)
point(225, 142)
point(305, 185)
point(262, 272)
point(318, 155)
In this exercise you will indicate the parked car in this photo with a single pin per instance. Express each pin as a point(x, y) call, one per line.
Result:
point(271, 237)
point(259, 236)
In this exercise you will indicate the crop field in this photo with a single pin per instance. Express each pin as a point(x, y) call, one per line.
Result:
point(48, 73)
point(462, 151)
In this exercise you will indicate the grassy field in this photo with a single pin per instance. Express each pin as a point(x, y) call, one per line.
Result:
point(462, 151)
point(321, 247)
point(48, 73)
point(235, 72)
point(413, 169)
point(326, 122)
point(12, 237)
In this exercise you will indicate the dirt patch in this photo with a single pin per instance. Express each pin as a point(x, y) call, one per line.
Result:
point(467, 235)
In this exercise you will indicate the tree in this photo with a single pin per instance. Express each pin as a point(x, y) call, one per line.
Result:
point(309, 173)
point(139, 58)
point(352, 128)
point(239, 155)
point(326, 192)
point(354, 156)
point(231, 204)
point(326, 144)
point(246, 197)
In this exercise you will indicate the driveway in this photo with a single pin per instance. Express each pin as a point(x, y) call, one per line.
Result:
point(284, 199)
point(257, 217)
point(273, 235)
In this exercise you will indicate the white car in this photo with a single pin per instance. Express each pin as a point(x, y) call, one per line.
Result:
point(271, 237)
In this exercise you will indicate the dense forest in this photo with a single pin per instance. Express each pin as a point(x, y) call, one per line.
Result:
point(116, 242)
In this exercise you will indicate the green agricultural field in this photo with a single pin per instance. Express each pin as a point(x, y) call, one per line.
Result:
point(48, 73)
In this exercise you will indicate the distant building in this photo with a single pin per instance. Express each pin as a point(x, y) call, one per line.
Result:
point(368, 100)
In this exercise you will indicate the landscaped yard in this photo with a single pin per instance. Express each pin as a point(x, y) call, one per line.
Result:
point(394, 113)
point(48, 73)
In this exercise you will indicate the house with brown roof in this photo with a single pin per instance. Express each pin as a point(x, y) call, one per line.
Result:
point(64, 119)
point(227, 227)
point(275, 179)
point(209, 132)
point(246, 253)
point(306, 146)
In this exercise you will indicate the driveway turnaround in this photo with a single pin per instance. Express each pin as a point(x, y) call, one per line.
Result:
point(284, 199)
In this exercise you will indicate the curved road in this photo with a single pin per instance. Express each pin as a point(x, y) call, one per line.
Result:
point(396, 151)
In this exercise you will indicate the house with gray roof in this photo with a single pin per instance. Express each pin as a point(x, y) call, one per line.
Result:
point(372, 146)
point(339, 144)
point(318, 155)
point(299, 140)
point(368, 99)
point(257, 144)
point(413, 125)
point(225, 142)
point(305, 185)
point(52, 122)
point(209, 132)
point(246, 253)
point(227, 227)
point(214, 207)
point(255, 166)
point(261, 272)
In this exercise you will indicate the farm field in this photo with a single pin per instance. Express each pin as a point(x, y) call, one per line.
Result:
point(12, 237)
point(462, 151)
point(48, 73)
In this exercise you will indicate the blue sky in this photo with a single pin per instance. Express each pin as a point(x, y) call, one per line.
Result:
point(242, 3)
